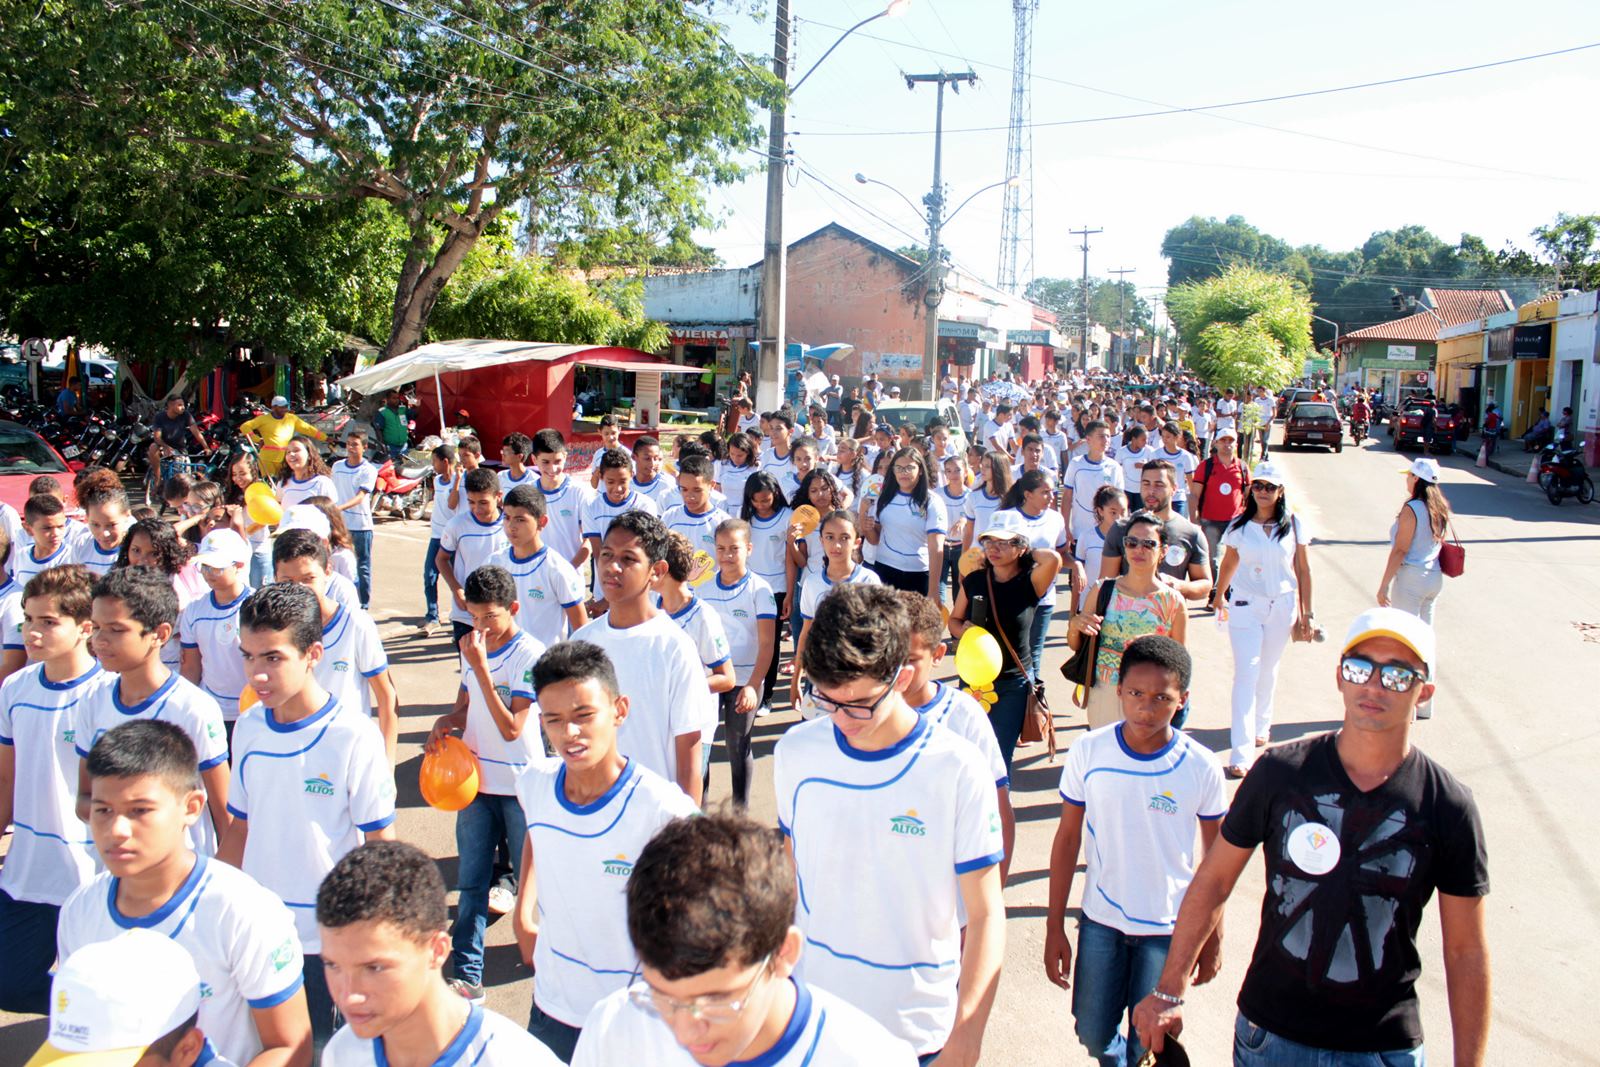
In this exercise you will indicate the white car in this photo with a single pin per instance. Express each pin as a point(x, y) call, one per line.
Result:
point(920, 413)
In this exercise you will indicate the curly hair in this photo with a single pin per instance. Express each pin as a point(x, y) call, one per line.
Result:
point(171, 552)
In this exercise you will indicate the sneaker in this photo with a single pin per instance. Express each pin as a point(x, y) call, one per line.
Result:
point(763, 711)
point(427, 627)
point(501, 900)
point(468, 991)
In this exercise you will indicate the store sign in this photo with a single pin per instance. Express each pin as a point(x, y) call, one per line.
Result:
point(1048, 338)
point(1531, 342)
point(707, 336)
point(968, 331)
point(893, 366)
point(1402, 352)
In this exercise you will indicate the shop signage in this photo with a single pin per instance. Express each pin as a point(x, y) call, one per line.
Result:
point(1531, 342)
point(893, 366)
point(968, 331)
point(707, 336)
point(1402, 352)
point(1049, 338)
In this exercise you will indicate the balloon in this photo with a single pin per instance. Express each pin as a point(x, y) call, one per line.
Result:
point(248, 699)
point(806, 518)
point(702, 568)
point(971, 560)
point(449, 777)
point(978, 657)
point(261, 504)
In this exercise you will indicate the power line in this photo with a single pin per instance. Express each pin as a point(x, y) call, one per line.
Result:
point(395, 5)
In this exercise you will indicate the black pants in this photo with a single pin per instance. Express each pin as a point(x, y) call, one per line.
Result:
point(737, 729)
point(910, 581)
point(770, 683)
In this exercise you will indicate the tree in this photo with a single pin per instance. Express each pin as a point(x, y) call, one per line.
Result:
point(915, 252)
point(1572, 243)
point(1204, 248)
point(1108, 301)
point(1244, 327)
point(601, 114)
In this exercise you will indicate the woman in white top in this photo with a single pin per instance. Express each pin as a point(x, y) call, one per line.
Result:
point(243, 472)
point(908, 527)
point(1265, 563)
point(1412, 580)
point(983, 502)
point(305, 475)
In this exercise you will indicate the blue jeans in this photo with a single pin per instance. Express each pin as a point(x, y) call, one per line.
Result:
point(557, 1036)
point(1005, 718)
point(1181, 507)
point(430, 583)
point(1256, 1047)
point(950, 569)
point(1113, 973)
point(490, 821)
point(28, 932)
point(361, 542)
point(261, 564)
point(1041, 626)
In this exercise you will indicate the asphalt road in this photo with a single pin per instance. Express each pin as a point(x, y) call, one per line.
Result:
point(1516, 719)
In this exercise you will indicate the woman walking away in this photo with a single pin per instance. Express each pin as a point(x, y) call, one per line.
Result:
point(1265, 562)
point(1141, 603)
point(1412, 579)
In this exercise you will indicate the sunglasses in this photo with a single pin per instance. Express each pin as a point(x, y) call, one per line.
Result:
point(1142, 542)
point(1395, 677)
point(1264, 487)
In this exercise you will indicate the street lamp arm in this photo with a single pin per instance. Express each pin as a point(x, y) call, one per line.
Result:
point(892, 10)
point(985, 189)
point(864, 180)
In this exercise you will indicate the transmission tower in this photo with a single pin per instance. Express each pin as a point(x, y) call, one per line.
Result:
point(1016, 221)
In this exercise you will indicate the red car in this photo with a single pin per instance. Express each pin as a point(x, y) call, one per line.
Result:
point(24, 455)
point(1407, 429)
point(1315, 423)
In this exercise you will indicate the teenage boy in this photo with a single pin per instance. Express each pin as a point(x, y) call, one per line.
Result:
point(356, 480)
point(108, 514)
point(550, 595)
point(1088, 471)
point(13, 646)
point(1033, 455)
point(711, 907)
point(695, 515)
point(135, 611)
point(45, 519)
point(310, 777)
point(617, 496)
point(564, 496)
point(648, 481)
point(898, 810)
point(145, 794)
point(656, 662)
point(515, 451)
point(749, 614)
point(382, 914)
point(954, 709)
point(1140, 787)
point(470, 540)
point(610, 438)
point(470, 451)
point(704, 627)
point(588, 814)
point(447, 498)
point(491, 716)
point(1057, 440)
point(51, 854)
point(208, 628)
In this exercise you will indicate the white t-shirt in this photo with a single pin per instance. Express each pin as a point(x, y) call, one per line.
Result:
point(662, 492)
point(212, 629)
point(1266, 563)
point(1084, 478)
point(1089, 550)
point(564, 506)
point(1045, 530)
point(309, 790)
point(178, 701)
point(825, 1031)
point(904, 530)
point(241, 937)
point(499, 760)
point(363, 477)
point(1185, 464)
point(1226, 412)
point(741, 606)
point(898, 825)
point(1056, 445)
point(658, 669)
point(699, 527)
point(1139, 820)
point(472, 543)
point(979, 509)
point(24, 566)
point(1133, 461)
point(11, 617)
point(956, 710)
point(343, 561)
point(89, 554)
point(820, 585)
point(598, 515)
point(704, 627)
point(1268, 408)
point(530, 476)
point(1001, 434)
point(487, 1040)
point(352, 655)
point(547, 585)
point(731, 479)
point(52, 852)
point(774, 465)
point(298, 490)
point(955, 511)
point(442, 511)
point(1051, 477)
point(769, 541)
point(582, 856)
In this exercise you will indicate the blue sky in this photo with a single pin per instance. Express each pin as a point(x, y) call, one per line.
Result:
point(1493, 152)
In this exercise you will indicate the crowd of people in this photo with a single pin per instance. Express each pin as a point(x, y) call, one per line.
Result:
point(198, 732)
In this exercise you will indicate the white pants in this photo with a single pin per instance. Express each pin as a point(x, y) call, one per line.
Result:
point(1258, 630)
point(1415, 590)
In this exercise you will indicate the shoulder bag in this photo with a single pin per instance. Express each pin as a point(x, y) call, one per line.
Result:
point(1079, 669)
point(1037, 722)
point(1452, 554)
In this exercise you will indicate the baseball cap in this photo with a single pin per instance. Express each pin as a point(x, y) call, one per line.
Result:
point(305, 517)
point(1006, 525)
point(1227, 431)
point(1423, 468)
point(279, 402)
point(1267, 471)
point(1403, 626)
point(111, 1000)
point(222, 548)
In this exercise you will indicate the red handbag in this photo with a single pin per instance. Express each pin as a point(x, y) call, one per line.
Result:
point(1452, 554)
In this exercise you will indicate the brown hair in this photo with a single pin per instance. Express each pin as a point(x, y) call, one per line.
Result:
point(70, 586)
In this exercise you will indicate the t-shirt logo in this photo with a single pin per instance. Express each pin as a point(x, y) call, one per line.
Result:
point(206, 991)
point(283, 955)
point(740, 613)
point(342, 666)
point(1314, 848)
point(320, 786)
point(618, 866)
point(68, 736)
point(504, 693)
point(1164, 803)
point(908, 825)
point(527, 676)
point(536, 594)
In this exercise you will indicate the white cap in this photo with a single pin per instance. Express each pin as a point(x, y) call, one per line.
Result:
point(1424, 468)
point(1267, 471)
point(111, 1000)
point(1227, 431)
point(1403, 626)
point(223, 548)
point(305, 517)
point(279, 402)
point(1007, 525)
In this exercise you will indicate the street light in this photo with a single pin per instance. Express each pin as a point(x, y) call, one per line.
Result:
point(774, 256)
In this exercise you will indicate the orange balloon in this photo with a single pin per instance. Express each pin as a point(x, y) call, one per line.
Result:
point(449, 777)
point(248, 699)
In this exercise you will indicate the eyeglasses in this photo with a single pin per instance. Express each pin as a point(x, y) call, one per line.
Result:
point(817, 702)
point(1395, 677)
point(906, 468)
point(715, 1008)
point(1141, 542)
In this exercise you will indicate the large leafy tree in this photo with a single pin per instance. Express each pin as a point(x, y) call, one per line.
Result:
point(1204, 248)
point(1244, 327)
point(1109, 301)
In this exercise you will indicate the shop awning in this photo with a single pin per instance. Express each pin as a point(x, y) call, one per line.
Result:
point(446, 357)
point(639, 366)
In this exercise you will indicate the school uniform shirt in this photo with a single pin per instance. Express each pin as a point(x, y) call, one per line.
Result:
point(1002, 434)
point(824, 1031)
point(1045, 530)
point(25, 566)
point(821, 585)
point(1058, 445)
point(488, 1039)
point(704, 627)
point(511, 671)
point(350, 480)
point(1227, 410)
point(955, 510)
point(904, 529)
point(309, 790)
point(1089, 550)
point(899, 825)
point(240, 935)
point(89, 554)
point(1085, 477)
point(659, 670)
point(1133, 461)
point(530, 476)
point(564, 506)
point(1140, 813)
point(343, 561)
point(212, 629)
point(547, 585)
point(52, 852)
point(342, 591)
point(352, 654)
point(178, 701)
point(11, 618)
point(1185, 463)
point(582, 857)
point(298, 490)
point(979, 509)
point(776, 465)
point(1266, 562)
point(956, 710)
point(12, 523)
point(741, 606)
point(699, 527)
point(471, 544)
point(442, 511)
point(662, 492)
point(731, 479)
point(769, 540)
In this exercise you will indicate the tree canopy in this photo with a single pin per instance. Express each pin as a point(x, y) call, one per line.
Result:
point(1108, 301)
point(1243, 327)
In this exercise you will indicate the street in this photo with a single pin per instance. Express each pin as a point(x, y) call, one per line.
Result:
point(1519, 633)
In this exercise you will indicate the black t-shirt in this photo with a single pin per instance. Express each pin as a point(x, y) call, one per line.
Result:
point(175, 431)
point(1186, 544)
point(1010, 611)
point(1348, 877)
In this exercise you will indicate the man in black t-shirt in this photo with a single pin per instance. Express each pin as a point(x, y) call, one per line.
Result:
point(1185, 560)
point(1358, 829)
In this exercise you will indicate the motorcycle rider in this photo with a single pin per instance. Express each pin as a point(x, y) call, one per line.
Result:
point(1360, 416)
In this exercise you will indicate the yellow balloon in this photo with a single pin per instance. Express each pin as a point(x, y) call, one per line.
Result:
point(257, 489)
point(247, 699)
point(264, 510)
point(978, 657)
point(971, 560)
point(702, 569)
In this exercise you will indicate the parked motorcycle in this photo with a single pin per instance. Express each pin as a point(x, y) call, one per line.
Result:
point(1561, 471)
point(404, 493)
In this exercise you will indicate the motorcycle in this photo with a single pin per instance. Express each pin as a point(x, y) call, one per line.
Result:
point(1358, 430)
point(1561, 472)
point(404, 493)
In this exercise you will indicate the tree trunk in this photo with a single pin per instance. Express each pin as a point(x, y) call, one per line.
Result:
point(420, 287)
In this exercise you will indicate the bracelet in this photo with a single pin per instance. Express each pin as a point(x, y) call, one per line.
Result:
point(1176, 1002)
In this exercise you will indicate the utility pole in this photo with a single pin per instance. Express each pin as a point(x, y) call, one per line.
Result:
point(1122, 311)
point(933, 295)
point(1085, 233)
point(774, 262)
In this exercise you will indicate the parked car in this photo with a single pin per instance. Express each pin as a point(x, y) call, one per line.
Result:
point(1289, 398)
point(1407, 428)
point(921, 412)
point(1315, 423)
point(24, 455)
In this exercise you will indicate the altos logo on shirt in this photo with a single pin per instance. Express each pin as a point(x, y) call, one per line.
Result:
point(283, 955)
point(908, 825)
point(1164, 803)
point(342, 666)
point(68, 736)
point(320, 786)
point(740, 613)
point(536, 594)
point(504, 693)
point(619, 866)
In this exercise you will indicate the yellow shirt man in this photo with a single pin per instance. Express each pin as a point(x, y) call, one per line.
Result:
point(275, 430)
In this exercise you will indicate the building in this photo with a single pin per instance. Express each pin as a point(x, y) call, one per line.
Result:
point(711, 319)
point(1404, 356)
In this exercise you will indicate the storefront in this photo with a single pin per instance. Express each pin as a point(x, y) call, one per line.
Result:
point(721, 351)
point(968, 350)
point(1032, 352)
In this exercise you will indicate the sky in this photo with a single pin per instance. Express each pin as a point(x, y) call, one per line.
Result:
point(1492, 152)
